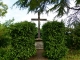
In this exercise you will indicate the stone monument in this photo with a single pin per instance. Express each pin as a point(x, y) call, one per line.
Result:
point(38, 43)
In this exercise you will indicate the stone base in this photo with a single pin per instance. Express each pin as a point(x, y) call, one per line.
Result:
point(39, 43)
point(38, 39)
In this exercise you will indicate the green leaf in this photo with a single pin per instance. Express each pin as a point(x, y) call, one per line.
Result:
point(78, 1)
point(3, 9)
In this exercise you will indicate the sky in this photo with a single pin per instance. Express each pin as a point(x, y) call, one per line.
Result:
point(22, 15)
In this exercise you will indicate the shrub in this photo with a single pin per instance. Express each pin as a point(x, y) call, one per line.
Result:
point(4, 36)
point(23, 40)
point(77, 36)
point(73, 38)
point(53, 39)
point(5, 53)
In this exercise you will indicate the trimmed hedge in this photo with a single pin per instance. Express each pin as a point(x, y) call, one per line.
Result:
point(53, 39)
point(23, 40)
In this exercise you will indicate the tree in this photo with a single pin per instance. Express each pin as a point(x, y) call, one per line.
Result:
point(3, 9)
point(73, 19)
point(60, 6)
point(7, 23)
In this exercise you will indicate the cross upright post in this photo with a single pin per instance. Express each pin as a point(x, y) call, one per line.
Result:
point(34, 19)
point(38, 25)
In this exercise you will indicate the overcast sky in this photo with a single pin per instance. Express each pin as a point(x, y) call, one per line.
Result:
point(21, 15)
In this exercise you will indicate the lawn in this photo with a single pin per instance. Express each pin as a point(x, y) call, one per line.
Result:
point(72, 55)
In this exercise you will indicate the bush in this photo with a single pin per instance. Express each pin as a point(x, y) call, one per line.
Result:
point(53, 39)
point(77, 36)
point(23, 40)
point(4, 36)
point(73, 38)
point(5, 53)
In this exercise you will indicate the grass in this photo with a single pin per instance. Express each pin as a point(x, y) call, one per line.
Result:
point(72, 55)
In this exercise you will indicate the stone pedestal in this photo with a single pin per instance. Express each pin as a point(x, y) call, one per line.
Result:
point(39, 43)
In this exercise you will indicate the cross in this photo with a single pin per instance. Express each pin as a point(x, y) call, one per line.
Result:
point(34, 19)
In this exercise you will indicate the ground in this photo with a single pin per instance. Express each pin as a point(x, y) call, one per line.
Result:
point(72, 55)
point(39, 55)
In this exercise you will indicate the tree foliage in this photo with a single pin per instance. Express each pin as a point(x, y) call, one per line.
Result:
point(7, 23)
point(3, 8)
point(61, 6)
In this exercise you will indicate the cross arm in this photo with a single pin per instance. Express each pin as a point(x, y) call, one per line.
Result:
point(39, 19)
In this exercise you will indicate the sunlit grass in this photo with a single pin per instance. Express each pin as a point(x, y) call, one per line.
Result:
point(72, 55)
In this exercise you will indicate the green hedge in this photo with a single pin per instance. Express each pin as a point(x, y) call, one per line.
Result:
point(53, 39)
point(73, 37)
point(5, 53)
point(23, 40)
point(4, 36)
point(76, 37)
point(69, 37)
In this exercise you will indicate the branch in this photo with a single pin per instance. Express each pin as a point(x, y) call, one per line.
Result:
point(77, 7)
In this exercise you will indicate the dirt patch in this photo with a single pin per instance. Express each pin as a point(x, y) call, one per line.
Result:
point(39, 55)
